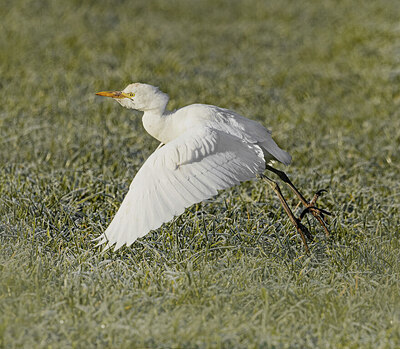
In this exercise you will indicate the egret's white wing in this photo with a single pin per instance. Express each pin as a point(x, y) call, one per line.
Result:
point(228, 121)
point(185, 171)
point(253, 132)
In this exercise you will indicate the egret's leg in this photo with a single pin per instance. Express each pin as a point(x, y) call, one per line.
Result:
point(317, 213)
point(301, 229)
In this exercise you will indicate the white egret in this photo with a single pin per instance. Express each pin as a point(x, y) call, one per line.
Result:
point(203, 149)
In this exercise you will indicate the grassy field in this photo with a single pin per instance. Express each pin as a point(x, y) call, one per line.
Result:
point(324, 76)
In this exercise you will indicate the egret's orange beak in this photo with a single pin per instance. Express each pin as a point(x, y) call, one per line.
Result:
point(113, 94)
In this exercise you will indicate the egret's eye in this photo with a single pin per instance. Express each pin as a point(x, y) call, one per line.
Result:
point(131, 94)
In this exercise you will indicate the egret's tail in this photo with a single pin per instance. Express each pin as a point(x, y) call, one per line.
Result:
point(273, 152)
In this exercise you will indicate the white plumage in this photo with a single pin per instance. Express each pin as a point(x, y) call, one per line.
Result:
point(206, 149)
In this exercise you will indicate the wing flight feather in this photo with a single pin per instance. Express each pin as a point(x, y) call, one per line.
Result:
point(185, 171)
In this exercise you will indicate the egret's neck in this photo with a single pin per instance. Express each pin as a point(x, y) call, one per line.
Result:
point(154, 122)
point(154, 103)
point(155, 116)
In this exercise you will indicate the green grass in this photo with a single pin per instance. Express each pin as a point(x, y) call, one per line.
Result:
point(324, 76)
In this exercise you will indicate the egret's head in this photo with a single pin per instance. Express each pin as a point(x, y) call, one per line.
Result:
point(139, 96)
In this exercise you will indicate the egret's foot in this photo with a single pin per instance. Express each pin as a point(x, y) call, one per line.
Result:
point(310, 206)
point(317, 195)
point(313, 209)
point(304, 229)
point(301, 229)
point(318, 213)
point(304, 233)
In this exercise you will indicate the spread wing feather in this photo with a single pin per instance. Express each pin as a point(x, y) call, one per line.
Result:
point(185, 171)
point(251, 131)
